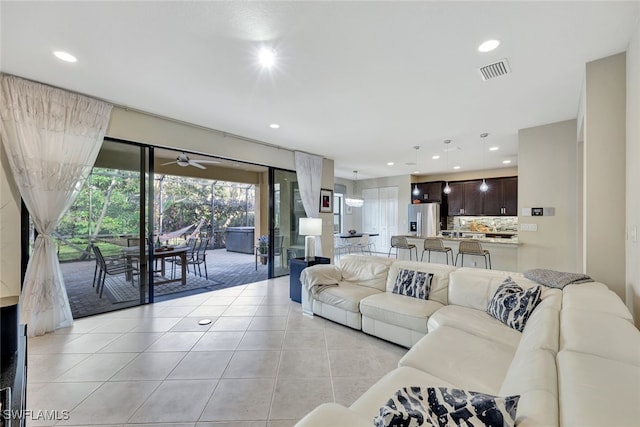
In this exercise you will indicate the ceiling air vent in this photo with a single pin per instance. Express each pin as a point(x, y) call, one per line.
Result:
point(494, 70)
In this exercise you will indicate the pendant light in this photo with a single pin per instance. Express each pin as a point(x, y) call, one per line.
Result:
point(447, 189)
point(353, 201)
point(483, 187)
point(416, 191)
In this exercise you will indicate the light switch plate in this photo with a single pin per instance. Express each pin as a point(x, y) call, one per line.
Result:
point(528, 227)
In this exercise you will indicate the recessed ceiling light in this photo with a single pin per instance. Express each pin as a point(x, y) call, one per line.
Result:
point(267, 57)
point(456, 167)
point(494, 148)
point(488, 46)
point(274, 126)
point(390, 163)
point(65, 56)
point(436, 157)
point(506, 162)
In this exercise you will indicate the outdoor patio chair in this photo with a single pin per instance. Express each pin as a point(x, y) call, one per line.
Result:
point(111, 266)
point(198, 257)
point(191, 248)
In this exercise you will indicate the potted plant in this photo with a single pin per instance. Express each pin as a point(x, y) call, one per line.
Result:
point(263, 248)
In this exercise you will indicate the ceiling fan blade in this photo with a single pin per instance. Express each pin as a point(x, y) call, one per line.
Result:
point(170, 163)
point(196, 164)
point(207, 162)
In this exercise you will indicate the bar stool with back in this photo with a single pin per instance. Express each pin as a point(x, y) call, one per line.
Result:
point(473, 247)
point(435, 244)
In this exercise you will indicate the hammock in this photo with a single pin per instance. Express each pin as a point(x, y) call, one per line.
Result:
point(175, 234)
point(178, 233)
point(197, 230)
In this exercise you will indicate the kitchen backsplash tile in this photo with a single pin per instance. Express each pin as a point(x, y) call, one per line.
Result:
point(489, 224)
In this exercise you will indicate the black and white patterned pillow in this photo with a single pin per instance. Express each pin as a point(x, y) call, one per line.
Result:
point(513, 305)
point(411, 283)
point(444, 407)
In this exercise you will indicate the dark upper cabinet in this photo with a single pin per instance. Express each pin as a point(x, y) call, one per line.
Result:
point(465, 198)
point(455, 199)
point(510, 194)
point(500, 199)
point(428, 192)
point(473, 198)
point(493, 198)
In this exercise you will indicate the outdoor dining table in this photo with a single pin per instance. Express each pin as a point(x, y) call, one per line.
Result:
point(162, 253)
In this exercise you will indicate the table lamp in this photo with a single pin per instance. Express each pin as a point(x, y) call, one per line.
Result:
point(310, 227)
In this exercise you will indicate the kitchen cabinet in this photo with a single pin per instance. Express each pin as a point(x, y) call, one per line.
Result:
point(502, 197)
point(465, 198)
point(428, 192)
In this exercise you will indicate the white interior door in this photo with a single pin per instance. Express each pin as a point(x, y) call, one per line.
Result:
point(388, 217)
point(380, 215)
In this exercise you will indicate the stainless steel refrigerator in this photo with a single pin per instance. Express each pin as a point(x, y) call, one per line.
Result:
point(424, 219)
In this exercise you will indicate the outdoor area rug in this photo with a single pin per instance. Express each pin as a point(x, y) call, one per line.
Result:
point(118, 290)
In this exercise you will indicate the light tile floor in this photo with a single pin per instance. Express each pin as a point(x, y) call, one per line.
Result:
point(260, 363)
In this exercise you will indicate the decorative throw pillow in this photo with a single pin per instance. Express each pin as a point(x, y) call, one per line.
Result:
point(416, 284)
point(444, 407)
point(513, 305)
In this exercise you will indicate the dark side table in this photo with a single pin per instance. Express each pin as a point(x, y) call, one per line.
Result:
point(296, 265)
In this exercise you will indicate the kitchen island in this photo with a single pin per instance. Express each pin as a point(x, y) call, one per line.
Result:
point(504, 252)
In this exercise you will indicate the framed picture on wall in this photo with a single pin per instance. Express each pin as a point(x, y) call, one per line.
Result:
point(326, 200)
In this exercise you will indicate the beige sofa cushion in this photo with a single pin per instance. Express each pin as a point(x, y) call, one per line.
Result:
point(600, 334)
point(399, 310)
point(597, 392)
point(475, 322)
point(439, 283)
point(533, 376)
point(474, 287)
point(369, 271)
point(346, 296)
point(595, 297)
point(458, 357)
point(370, 402)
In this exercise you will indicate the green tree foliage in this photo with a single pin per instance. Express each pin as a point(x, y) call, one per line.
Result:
point(108, 207)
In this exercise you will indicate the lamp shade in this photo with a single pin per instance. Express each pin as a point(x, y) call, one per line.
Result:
point(310, 226)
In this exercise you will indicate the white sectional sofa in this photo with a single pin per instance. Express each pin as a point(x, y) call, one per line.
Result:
point(576, 362)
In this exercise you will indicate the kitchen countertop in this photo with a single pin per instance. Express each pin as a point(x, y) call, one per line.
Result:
point(499, 241)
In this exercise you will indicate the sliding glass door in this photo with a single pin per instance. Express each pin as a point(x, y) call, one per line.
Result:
point(101, 241)
point(285, 211)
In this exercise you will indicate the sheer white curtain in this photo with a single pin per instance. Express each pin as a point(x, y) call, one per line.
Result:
point(309, 174)
point(52, 138)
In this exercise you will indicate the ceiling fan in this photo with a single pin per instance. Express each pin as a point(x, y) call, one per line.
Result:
point(184, 160)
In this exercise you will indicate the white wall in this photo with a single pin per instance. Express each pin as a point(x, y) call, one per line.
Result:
point(547, 177)
point(604, 167)
point(633, 176)
point(137, 126)
point(9, 231)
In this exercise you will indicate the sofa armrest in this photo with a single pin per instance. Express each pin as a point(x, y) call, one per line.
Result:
point(332, 414)
point(320, 273)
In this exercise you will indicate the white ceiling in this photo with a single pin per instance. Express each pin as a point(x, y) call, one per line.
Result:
point(358, 82)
